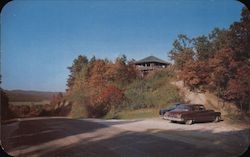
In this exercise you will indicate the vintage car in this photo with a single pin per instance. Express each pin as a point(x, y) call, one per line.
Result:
point(169, 108)
point(191, 113)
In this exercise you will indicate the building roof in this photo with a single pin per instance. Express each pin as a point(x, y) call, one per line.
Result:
point(151, 59)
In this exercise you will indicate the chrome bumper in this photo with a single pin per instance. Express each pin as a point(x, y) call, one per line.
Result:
point(175, 119)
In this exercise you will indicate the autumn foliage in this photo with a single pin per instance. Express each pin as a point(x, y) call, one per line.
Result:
point(219, 62)
point(100, 105)
point(98, 83)
point(194, 76)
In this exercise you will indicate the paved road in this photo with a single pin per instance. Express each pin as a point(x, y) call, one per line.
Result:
point(63, 137)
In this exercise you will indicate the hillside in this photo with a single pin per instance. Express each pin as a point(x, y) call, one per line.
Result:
point(207, 99)
point(229, 111)
point(34, 96)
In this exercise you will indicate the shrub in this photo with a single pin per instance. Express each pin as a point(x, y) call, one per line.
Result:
point(110, 97)
point(153, 91)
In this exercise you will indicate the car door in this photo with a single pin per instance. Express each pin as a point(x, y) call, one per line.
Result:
point(203, 115)
point(198, 114)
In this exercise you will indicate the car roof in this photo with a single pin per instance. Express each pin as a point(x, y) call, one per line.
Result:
point(191, 104)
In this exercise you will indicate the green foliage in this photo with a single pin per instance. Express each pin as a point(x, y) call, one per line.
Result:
point(203, 48)
point(105, 87)
point(78, 111)
point(75, 69)
point(182, 51)
point(218, 39)
point(135, 94)
point(153, 91)
point(5, 111)
point(96, 84)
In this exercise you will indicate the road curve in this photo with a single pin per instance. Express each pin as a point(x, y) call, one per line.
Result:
point(65, 137)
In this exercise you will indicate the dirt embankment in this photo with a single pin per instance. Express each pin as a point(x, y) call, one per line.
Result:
point(209, 100)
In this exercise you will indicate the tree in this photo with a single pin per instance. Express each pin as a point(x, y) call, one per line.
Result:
point(100, 104)
point(76, 68)
point(240, 35)
point(121, 70)
point(92, 59)
point(56, 99)
point(97, 71)
point(219, 39)
point(182, 51)
point(221, 61)
point(5, 111)
point(202, 48)
point(238, 89)
point(132, 71)
point(221, 70)
point(112, 96)
point(196, 74)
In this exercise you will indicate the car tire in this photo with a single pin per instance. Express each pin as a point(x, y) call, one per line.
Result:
point(217, 119)
point(165, 116)
point(189, 122)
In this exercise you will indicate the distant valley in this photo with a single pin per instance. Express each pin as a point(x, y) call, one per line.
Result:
point(29, 96)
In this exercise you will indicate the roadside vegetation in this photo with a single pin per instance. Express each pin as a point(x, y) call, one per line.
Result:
point(102, 88)
point(5, 109)
point(134, 114)
point(57, 106)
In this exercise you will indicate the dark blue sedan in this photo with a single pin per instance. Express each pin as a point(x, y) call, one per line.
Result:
point(169, 108)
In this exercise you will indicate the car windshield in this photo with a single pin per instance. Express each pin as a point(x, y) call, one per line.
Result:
point(172, 106)
point(182, 108)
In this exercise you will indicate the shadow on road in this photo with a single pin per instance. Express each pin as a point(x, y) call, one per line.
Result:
point(69, 137)
point(37, 131)
point(137, 144)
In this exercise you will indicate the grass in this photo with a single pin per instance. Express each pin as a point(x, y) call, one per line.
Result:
point(134, 114)
point(147, 95)
point(154, 91)
point(143, 97)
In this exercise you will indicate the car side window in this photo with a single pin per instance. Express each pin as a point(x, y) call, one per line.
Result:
point(201, 108)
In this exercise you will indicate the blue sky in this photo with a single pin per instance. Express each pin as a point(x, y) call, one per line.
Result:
point(40, 39)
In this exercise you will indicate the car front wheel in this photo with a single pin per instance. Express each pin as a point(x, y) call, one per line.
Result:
point(189, 122)
point(165, 116)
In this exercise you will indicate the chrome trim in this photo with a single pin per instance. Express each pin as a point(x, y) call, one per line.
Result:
point(175, 119)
